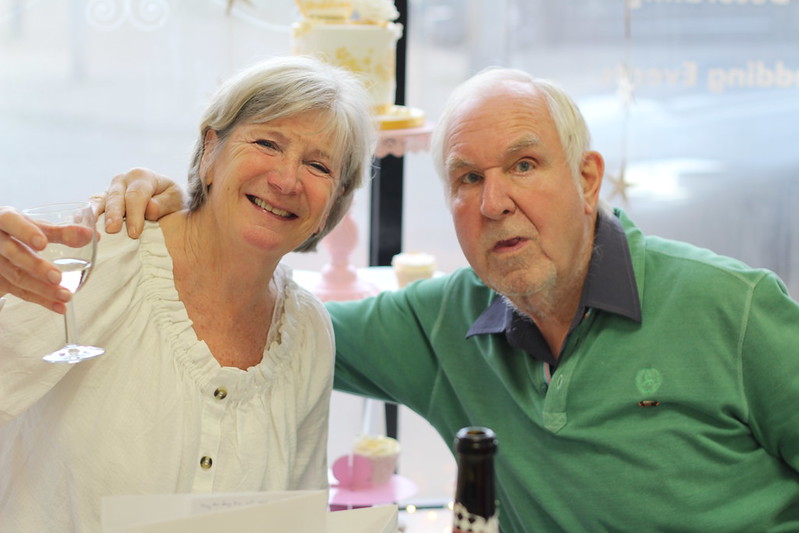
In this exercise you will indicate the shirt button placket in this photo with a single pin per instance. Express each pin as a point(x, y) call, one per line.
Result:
point(555, 416)
point(211, 435)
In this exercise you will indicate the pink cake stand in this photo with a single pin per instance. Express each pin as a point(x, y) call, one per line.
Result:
point(397, 488)
point(340, 280)
point(354, 491)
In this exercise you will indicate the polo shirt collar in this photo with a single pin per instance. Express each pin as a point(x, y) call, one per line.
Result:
point(609, 285)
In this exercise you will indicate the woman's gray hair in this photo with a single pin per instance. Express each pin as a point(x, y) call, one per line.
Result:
point(285, 87)
point(569, 122)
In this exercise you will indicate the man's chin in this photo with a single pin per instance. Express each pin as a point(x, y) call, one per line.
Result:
point(521, 284)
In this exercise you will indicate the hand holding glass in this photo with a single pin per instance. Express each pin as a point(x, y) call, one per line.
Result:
point(72, 245)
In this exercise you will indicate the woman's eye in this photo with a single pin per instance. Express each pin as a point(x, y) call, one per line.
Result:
point(266, 144)
point(320, 168)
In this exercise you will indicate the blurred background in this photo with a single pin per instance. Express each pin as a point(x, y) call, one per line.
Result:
point(693, 103)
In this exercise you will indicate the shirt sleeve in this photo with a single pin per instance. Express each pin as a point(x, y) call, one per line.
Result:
point(27, 333)
point(770, 369)
point(384, 344)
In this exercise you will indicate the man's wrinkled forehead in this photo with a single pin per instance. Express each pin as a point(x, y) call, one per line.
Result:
point(488, 106)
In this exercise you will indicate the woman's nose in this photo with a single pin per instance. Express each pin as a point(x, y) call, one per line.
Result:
point(285, 178)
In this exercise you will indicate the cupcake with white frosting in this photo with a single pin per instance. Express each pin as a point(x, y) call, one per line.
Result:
point(410, 266)
point(381, 452)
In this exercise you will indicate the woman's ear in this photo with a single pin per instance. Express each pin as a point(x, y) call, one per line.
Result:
point(210, 144)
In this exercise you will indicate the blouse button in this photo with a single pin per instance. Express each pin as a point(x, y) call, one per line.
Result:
point(220, 393)
point(206, 462)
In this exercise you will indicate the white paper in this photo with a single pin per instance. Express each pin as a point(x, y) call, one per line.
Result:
point(253, 512)
point(381, 519)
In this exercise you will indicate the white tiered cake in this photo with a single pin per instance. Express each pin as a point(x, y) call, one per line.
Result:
point(359, 35)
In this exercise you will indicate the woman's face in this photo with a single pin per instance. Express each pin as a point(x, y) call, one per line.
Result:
point(272, 184)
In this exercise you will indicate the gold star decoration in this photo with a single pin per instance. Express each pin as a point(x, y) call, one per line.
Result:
point(620, 186)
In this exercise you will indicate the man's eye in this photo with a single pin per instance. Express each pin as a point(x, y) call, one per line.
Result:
point(525, 166)
point(470, 178)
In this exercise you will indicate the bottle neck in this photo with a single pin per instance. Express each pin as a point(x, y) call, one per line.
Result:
point(475, 508)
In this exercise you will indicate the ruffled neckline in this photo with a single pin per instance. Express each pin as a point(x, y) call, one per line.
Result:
point(192, 355)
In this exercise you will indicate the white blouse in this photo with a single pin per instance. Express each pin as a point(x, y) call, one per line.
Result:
point(156, 413)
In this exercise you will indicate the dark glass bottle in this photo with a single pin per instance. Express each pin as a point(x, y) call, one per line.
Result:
point(475, 508)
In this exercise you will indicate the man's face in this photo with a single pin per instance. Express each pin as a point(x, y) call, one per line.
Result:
point(524, 222)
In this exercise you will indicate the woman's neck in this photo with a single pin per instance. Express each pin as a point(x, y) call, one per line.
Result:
point(209, 263)
point(229, 295)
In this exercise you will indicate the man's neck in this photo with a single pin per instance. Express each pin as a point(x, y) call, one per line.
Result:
point(553, 317)
point(553, 311)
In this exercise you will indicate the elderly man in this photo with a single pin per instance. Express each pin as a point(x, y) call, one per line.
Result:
point(635, 383)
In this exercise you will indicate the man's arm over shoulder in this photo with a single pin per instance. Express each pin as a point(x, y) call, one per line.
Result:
point(136, 195)
point(389, 346)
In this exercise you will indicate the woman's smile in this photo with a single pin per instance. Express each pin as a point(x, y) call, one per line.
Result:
point(258, 202)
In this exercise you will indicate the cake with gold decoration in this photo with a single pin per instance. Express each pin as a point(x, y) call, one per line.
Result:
point(361, 36)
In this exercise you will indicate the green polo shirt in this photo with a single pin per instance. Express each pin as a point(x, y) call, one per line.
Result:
point(683, 421)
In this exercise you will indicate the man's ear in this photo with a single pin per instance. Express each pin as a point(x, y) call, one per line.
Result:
point(210, 143)
point(592, 170)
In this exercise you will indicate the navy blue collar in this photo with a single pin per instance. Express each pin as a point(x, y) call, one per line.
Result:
point(609, 286)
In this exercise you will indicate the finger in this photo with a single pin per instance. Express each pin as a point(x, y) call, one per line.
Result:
point(168, 198)
point(72, 236)
point(18, 263)
point(97, 201)
point(115, 203)
point(140, 185)
point(127, 198)
point(57, 304)
point(14, 224)
point(138, 194)
point(26, 283)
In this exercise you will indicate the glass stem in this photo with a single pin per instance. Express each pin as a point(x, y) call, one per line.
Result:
point(71, 325)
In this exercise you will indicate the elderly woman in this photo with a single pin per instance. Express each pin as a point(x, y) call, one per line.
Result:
point(218, 367)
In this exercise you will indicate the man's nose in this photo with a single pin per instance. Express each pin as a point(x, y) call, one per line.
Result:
point(497, 201)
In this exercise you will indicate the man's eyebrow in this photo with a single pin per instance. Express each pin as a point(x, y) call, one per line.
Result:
point(457, 163)
point(523, 143)
point(454, 163)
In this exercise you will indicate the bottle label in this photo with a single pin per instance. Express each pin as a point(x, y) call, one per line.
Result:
point(465, 522)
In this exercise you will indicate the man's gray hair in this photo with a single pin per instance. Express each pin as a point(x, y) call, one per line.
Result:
point(569, 122)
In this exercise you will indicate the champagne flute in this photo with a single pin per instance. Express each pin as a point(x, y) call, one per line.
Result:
point(73, 254)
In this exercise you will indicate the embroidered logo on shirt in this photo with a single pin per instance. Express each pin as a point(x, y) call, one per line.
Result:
point(648, 403)
point(648, 380)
